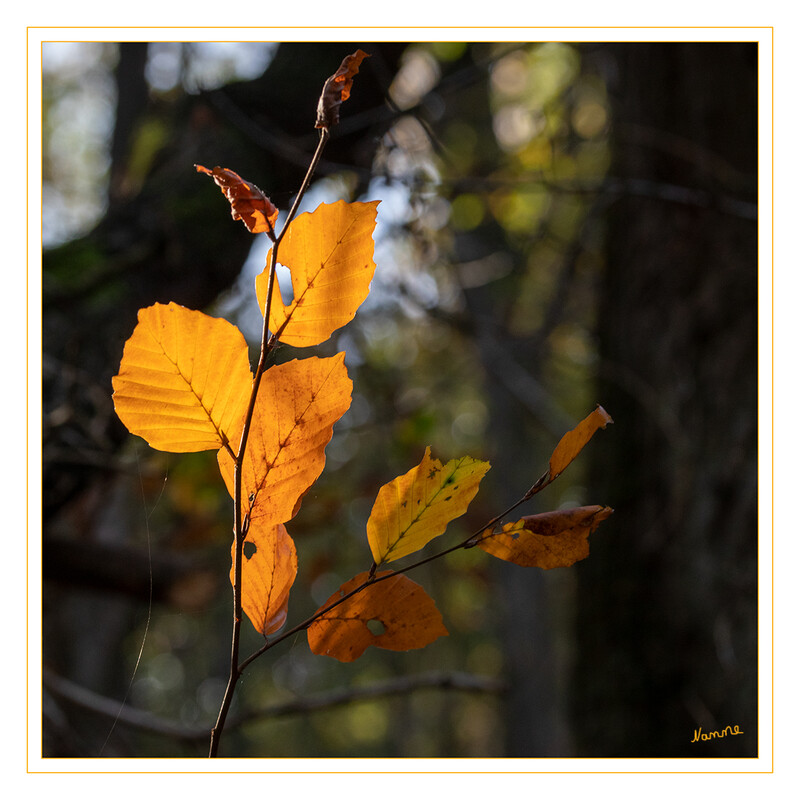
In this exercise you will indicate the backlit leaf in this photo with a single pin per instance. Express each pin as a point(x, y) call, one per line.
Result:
point(393, 614)
point(417, 507)
point(184, 379)
point(337, 89)
point(573, 441)
point(297, 405)
point(552, 539)
point(248, 202)
point(329, 253)
point(269, 568)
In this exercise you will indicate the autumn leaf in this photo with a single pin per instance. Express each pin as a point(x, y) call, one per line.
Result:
point(184, 379)
point(573, 441)
point(551, 539)
point(393, 614)
point(269, 568)
point(417, 507)
point(297, 405)
point(337, 89)
point(248, 202)
point(329, 253)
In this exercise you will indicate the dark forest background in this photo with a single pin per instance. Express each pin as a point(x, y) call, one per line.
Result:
point(561, 225)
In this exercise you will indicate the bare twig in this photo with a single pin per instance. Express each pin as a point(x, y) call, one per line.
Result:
point(107, 707)
point(151, 723)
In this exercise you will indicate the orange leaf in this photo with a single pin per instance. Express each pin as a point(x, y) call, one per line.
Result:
point(297, 405)
point(248, 202)
point(552, 539)
point(337, 89)
point(269, 568)
point(394, 614)
point(330, 255)
point(573, 441)
point(184, 379)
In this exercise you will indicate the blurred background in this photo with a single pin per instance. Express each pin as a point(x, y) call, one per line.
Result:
point(560, 225)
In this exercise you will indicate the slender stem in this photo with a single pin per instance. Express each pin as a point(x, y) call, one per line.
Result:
point(239, 528)
point(324, 135)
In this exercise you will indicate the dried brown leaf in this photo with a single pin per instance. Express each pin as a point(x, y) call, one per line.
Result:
point(248, 202)
point(551, 539)
point(337, 89)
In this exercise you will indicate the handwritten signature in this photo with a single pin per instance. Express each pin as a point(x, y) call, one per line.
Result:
point(728, 730)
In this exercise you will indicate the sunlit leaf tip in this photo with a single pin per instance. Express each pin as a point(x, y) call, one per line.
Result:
point(574, 441)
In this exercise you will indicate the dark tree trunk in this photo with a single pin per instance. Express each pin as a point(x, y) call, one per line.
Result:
point(667, 602)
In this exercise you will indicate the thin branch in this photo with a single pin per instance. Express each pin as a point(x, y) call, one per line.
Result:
point(324, 135)
point(151, 723)
point(402, 685)
point(131, 717)
point(612, 187)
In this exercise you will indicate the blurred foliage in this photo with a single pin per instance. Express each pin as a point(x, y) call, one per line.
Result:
point(487, 227)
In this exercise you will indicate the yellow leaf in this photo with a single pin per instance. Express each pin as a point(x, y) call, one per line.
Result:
point(393, 614)
point(573, 441)
point(297, 405)
point(184, 379)
point(552, 539)
point(329, 253)
point(269, 567)
point(416, 507)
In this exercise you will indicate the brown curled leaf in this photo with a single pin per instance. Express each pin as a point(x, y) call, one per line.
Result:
point(248, 202)
point(551, 539)
point(337, 89)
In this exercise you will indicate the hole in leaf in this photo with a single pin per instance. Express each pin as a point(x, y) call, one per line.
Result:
point(376, 627)
point(285, 285)
point(249, 550)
